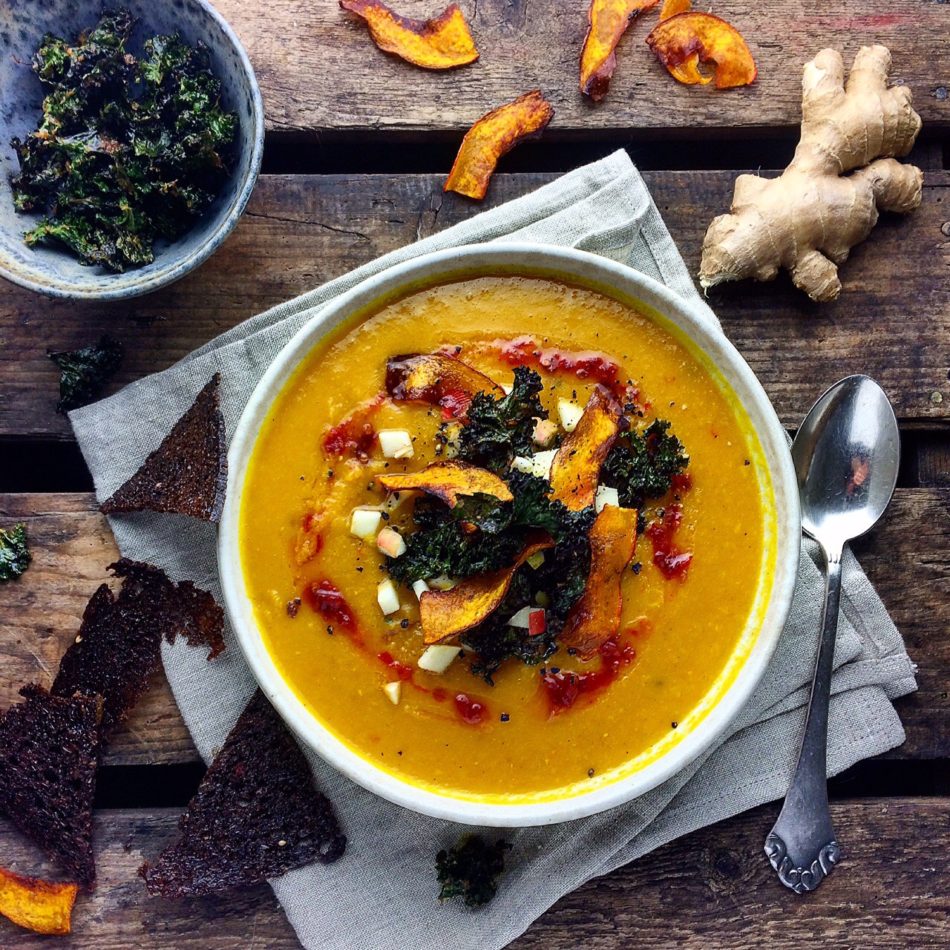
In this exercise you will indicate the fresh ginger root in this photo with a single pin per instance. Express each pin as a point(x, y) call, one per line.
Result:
point(809, 218)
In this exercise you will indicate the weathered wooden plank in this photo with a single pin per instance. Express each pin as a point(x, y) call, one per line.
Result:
point(933, 459)
point(320, 73)
point(892, 320)
point(906, 558)
point(712, 889)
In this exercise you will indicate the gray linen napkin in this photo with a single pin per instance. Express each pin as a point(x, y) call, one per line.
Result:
point(382, 894)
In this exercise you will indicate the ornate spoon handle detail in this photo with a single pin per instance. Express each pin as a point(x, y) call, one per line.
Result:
point(801, 847)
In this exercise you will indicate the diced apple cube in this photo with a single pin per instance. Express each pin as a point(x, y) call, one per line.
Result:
point(396, 443)
point(393, 691)
point(605, 496)
point(387, 597)
point(538, 464)
point(537, 623)
point(569, 413)
point(441, 582)
point(544, 432)
point(438, 657)
point(521, 618)
point(391, 542)
point(536, 560)
point(419, 588)
point(364, 522)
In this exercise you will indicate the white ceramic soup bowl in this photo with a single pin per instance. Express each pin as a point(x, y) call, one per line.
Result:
point(706, 344)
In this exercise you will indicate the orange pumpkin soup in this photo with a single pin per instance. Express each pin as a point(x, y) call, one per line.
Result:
point(666, 597)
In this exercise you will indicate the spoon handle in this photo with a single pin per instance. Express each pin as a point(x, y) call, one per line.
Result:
point(801, 846)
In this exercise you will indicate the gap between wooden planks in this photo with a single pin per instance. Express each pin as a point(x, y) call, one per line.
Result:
point(320, 73)
point(892, 320)
point(906, 559)
point(712, 889)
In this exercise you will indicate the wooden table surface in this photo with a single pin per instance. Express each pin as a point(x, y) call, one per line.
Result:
point(357, 149)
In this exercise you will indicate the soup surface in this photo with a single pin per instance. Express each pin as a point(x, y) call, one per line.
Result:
point(692, 594)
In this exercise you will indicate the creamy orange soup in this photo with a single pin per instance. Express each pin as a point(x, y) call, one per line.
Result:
point(683, 636)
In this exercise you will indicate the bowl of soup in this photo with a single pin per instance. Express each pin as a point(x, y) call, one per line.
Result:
point(511, 535)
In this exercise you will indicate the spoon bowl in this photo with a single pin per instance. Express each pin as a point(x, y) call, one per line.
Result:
point(846, 457)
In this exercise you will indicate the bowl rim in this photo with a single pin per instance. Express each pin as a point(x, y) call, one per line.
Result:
point(528, 259)
point(174, 271)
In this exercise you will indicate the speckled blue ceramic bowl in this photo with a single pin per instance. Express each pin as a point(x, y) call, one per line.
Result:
point(50, 271)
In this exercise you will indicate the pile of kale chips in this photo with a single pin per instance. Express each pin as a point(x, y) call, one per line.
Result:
point(128, 150)
point(641, 466)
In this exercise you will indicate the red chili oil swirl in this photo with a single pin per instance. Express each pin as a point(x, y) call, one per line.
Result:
point(584, 364)
point(672, 562)
point(564, 687)
point(354, 437)
point(401, 670)
point(470, 709)
point(326, 599)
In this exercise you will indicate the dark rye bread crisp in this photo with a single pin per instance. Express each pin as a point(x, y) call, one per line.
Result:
point(118, 646)
point(188, 473)
point(256, 815)
point(48, 751)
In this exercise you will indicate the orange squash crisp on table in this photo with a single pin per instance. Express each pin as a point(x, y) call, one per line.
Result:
point(683, 41)
point(442, 42)
point(492, 136)
point(608, 20)
point(44, 907)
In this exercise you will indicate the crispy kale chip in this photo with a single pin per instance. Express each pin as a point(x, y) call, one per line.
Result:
point(642, 465)
point(15, 554)
point(128, 149)
point(471, 869)
point(450, 550)
point(85, 372)
point(446, 544)
point(499, 429)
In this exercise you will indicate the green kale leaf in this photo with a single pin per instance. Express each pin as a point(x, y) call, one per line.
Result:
point(15, 554)
point(128, 150)
point(452, 550)
point(642, 465)
point(85, 372)
point(496, 430)
point(471, 869)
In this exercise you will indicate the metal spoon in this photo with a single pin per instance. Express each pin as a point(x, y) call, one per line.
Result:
point(846, 456)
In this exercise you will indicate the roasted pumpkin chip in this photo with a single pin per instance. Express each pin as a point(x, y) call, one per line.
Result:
point(684, 41)
point(256, 815)
point(187, 474)
point(437, 379)
point(672, 7)
point(595, 617)
point(576, 467)
point(447, 613)
point(44, 907)
point(491, 137)
point(48, 758)
point(608, 21)
point(442, 42)
point(447, 480)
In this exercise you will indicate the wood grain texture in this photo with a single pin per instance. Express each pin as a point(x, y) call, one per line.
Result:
point(712, 889)
point(892, 320)
point(320, 72)
point(906, 559)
